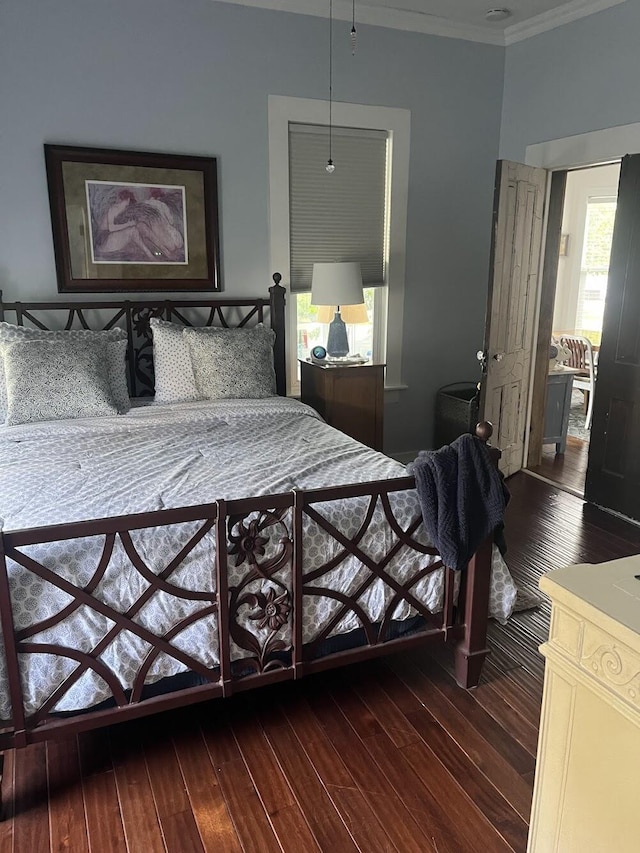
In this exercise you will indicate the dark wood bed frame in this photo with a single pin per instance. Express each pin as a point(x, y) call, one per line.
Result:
point(240, 528)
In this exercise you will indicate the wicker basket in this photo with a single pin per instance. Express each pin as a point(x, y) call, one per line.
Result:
point(456, 411)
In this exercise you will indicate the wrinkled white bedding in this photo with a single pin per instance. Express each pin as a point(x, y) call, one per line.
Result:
point(168, 456)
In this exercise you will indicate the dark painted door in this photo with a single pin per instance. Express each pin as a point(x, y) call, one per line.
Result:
point(613, 475)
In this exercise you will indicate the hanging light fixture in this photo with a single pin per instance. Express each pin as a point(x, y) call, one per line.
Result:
point(353, 28)
point(330, 167)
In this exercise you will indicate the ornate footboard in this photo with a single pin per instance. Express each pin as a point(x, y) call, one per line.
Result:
point(248, 615)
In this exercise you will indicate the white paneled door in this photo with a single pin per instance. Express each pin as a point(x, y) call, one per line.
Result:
point(513, 293)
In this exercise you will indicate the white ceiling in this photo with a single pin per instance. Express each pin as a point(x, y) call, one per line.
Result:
point(464, 19)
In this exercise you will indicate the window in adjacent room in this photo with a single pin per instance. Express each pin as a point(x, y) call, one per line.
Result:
point(594, 268)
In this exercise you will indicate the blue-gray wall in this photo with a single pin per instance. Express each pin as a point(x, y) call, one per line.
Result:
point(192, 77)
point(581, 77)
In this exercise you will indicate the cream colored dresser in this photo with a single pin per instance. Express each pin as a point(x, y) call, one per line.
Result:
point(586, 796)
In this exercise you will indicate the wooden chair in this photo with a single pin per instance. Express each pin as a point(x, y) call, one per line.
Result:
point(582, 359)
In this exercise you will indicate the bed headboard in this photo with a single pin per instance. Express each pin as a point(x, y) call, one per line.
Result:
point(134, 316)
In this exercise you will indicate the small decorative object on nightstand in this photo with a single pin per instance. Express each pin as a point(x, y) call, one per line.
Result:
point(350, 399)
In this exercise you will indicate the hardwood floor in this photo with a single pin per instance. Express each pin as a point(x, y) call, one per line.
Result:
point(388, 756)
point(567, 469)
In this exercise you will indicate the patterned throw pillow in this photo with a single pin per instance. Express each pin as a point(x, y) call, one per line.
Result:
point(115, 354)
point(50, 380)
point(174, 379)
point(232, 363)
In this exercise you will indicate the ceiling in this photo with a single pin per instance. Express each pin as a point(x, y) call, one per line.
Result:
point(464, 19)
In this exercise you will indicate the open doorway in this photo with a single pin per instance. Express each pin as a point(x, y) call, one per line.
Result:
point(588, 214)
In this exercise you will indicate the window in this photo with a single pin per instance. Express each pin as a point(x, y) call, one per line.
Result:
point(373, 135)
point(594, 267)
point(337, 217)
point(313, 328)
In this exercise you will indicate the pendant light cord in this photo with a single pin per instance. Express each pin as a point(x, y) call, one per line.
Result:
point(353, 28)
point(330, 74)
point(330, 168)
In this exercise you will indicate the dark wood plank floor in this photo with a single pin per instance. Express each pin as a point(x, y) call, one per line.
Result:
point(567, 469)
point(388, 756)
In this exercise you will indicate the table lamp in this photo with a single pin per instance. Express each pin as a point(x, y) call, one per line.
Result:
point(338, 284)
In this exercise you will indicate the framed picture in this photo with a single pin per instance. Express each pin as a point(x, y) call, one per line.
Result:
point(130, 221)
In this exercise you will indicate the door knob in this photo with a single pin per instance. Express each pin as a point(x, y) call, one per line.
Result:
point(498, 356)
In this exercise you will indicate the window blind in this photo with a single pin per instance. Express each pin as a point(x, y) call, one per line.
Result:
point(338, 217)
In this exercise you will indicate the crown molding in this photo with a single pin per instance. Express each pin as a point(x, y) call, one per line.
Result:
point(557, 17)
point(381, 16)
point(418, 22)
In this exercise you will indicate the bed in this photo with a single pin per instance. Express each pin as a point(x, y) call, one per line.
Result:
point(189, 550)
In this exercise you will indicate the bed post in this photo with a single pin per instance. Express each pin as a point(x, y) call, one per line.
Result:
point(222, 586)
point(18, 736)
point(471, 650)
point(277, 293)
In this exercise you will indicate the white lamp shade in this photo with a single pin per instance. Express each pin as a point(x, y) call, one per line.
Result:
point(336, 284)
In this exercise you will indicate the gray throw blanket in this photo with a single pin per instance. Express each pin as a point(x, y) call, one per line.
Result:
point(462, 496)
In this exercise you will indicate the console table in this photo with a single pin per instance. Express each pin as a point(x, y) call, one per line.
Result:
point(556, 413)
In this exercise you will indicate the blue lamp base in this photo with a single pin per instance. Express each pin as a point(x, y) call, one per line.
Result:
point(337, 342)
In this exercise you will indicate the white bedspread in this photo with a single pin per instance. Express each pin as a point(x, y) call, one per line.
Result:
point(159, 457)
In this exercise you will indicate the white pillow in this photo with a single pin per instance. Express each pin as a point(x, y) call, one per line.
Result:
point(50, 380)
point(232, 363)
point(174, 379)
point(116, 340)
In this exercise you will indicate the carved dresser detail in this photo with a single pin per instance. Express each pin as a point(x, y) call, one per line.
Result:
point(588, 770)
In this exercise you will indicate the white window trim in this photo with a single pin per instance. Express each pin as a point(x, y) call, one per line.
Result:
point(284, 110)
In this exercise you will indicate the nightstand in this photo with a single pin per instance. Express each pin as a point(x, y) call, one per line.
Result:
point(350, 399)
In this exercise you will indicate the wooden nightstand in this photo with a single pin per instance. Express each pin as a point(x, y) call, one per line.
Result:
point(350, 399)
